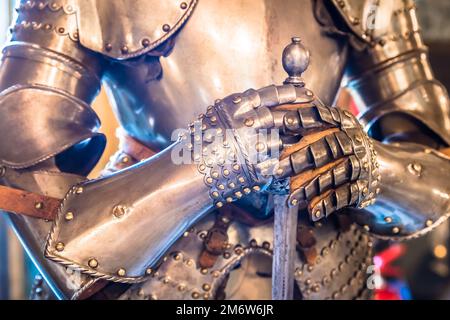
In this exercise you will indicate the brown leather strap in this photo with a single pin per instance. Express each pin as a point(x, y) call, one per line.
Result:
point(28, 203)
point(216, 239)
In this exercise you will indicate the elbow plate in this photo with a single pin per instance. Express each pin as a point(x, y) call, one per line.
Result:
point(39, 122)
point(414, 194)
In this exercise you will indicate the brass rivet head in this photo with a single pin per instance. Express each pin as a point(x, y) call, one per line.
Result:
point(166, 28)
point(204, 271)
point(257, 188)
point(183, 5)
point(219, 204)
point(79, 190)
point(195, 295)
point(249, 122)
point(93, 263)
point(69, 216)
point(429, 223)
point(237, 100)
point(395, 230)
point(39, 205)
point(119, 211)
point(121, 272)
point(206, 287)
point(59, 246)
point(294, 202)
point(124, 49)
point(148, 271)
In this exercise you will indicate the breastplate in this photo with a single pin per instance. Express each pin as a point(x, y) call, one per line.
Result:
point(225, 47)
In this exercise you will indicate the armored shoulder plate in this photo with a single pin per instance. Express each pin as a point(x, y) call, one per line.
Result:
point(370, 20)
point(126, 29)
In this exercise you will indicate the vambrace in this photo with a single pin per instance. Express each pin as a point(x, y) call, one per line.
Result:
point(414, 193)
point(116, 228)
point(389, 73)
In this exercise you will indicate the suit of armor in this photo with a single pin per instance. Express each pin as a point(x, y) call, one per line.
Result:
point(159, 230)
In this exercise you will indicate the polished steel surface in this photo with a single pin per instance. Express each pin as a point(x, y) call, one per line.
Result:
point(414, 194)
point(144, 24)
point(225, 47)
point(122, 224)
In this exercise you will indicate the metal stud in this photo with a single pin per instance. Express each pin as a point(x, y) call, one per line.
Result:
point(69, 216)
point(59, 246)
point(39, 205)
point(119, 211)
point(429, 223)
point(395, 230)
point(93, 263)
point(145, 43)
point(249, 122)
point(148, 271)
point(237, 100)
point(388, 219)
point(79, 190)
point(183, 5)
point(121, 272)
point(206, 287)
point(124, 49)
point(166, 28)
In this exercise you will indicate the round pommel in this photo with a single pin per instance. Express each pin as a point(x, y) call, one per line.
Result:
point(295, 61)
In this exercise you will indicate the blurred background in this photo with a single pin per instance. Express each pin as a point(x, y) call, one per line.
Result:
point(418, 269)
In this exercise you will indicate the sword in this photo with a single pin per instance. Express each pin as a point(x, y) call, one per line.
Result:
point(295, 61)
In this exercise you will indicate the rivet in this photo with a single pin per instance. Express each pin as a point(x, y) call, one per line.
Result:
point(195, 295)
point(309, 93)
point(232, 185)
point(181, 287)
point(395, 230)
point(429, 223)
point(125, 159)
point(121, 272)
point(294, 202)
point(79, 190)
point(226, 172)
point(236, 100)
point(215, 174)
point(241, 179)
point(59, 246)
point(219, 204)
point(221, 187)
point(69, 216)
point(317, 213)
point(257, 188)
point(215, 194)
point(39, 205)
point(209, 180)
point(388, 219)
point(124, 49)
point(119, 211)
point(366, 227)
point(204, 271)
point(227, 255)
point(247, 190)
point(206, 287)
point(229, 199)
point(183, 5)
point(93, 263)
point(238, 194)
point(61, 30)
point(249, 122)
point(145, 43)
point(148, 271)
point(166, 28)
point(260, 146)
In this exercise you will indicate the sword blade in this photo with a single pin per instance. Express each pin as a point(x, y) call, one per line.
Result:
point(284, 234)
